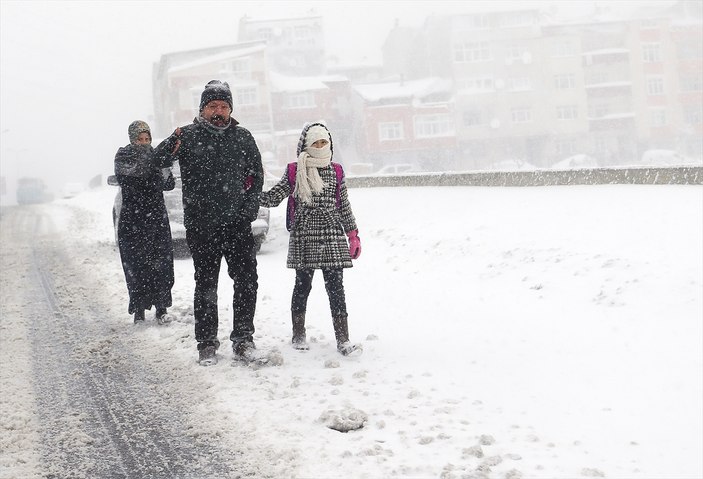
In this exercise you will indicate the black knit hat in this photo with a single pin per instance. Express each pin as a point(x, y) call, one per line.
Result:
point(216, 90)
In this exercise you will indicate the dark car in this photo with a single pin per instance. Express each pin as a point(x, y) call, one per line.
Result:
point(174, 205)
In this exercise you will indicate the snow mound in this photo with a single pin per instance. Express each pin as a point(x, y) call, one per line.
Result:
point(344, 420)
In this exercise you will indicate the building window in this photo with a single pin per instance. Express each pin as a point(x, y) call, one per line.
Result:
point(247, 96)
point(689, 50)
point(693, 115)
point(473, 117)
point(390, 131)
point(301, 31)
point(692, 83)
point(516, 19)
point(430, 126)
point(564, 48)
point(565, 147)
point(600, 110)
point(562, 82)
point(476, 84)
point(515, 52)
point(601, 145)
point(188, 99)
point(567, 112)
point(658, 117)
point(300, 100)
point(655, 85)
point(521, 115)
point(651, 52)
point(472, 22)
point(472, 52)
point(239, 68)
point(265, 33)
point(519, 84)
point(598, 76)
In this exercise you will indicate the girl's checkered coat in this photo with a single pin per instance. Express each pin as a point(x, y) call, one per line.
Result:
point(318, 239)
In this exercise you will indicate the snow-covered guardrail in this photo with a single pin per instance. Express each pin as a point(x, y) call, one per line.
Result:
point(680, 175)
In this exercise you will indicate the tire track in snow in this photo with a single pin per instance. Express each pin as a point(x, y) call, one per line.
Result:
point(102, 414)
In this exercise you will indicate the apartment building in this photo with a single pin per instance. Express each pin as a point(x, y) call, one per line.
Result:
point(528, 87)
point(273, 74)
point(296, 100)
point(179, 79)
point(405, 122)
point(462, 92)
point(668, 45)
point(295, 45)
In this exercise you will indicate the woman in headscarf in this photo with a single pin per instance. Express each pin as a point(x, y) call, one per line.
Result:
point(143, 231)
point(320, 221)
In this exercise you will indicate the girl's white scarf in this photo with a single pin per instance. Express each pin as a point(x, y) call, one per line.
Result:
point(307, 178)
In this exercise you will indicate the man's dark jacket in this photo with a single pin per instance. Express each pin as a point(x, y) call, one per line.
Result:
point(215, 166)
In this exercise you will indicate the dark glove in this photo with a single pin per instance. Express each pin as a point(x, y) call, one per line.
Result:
point(173, 142)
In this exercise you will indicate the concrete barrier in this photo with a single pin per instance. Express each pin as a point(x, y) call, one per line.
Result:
point(682, 175)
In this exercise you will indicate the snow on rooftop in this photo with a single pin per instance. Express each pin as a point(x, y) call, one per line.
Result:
point(612, 84)
point(228, 55)
point(405, 89)
point(294, 17)
point(283, 83)
point(606, 51)
point(614, 116)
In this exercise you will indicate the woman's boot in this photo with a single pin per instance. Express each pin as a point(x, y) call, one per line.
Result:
point(299, 340)
point(341, 334)
point(162, 316)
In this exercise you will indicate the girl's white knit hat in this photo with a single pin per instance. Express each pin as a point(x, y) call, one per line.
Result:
point(315, 133)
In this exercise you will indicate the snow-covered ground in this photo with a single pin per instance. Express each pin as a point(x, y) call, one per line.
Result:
point(551, 332)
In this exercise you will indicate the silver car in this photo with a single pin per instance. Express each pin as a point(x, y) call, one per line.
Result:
point(174, 206)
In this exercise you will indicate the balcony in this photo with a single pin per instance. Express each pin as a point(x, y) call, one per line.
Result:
point(612, 116)
point(610, 84)
point(612, 122)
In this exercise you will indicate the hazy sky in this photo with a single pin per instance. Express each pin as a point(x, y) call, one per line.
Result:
point(74, 74)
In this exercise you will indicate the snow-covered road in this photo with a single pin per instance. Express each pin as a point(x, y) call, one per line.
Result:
point(547, 332)
point(98, 407)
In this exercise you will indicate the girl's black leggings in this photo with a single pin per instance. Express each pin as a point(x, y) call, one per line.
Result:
point(333, 284)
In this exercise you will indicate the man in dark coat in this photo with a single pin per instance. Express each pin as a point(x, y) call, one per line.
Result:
point(222, 177)
point(143, 231)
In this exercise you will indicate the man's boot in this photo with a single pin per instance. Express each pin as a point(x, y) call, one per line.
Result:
point(341, 334)
point(299, 340)
point(139, 316)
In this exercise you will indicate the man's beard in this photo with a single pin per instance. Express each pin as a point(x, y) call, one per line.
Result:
point(218, 120)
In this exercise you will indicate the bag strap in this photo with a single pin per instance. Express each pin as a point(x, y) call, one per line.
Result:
point(290, 207)
point(339, 172)
point(292, 170)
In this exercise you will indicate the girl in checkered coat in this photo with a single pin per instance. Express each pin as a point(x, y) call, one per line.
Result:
point(322, 222)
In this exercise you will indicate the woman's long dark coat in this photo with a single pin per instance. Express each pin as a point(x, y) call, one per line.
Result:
point(143, 232)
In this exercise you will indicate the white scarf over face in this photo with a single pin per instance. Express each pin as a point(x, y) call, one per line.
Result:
point(307, 176)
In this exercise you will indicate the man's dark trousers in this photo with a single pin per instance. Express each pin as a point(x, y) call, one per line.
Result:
point(235, 243)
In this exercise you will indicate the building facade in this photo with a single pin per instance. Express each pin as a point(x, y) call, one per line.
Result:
point(531, 89)
point(462, 92)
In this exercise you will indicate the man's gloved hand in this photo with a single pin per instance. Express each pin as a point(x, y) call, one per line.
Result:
point(173, 142)
point(354, 244)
